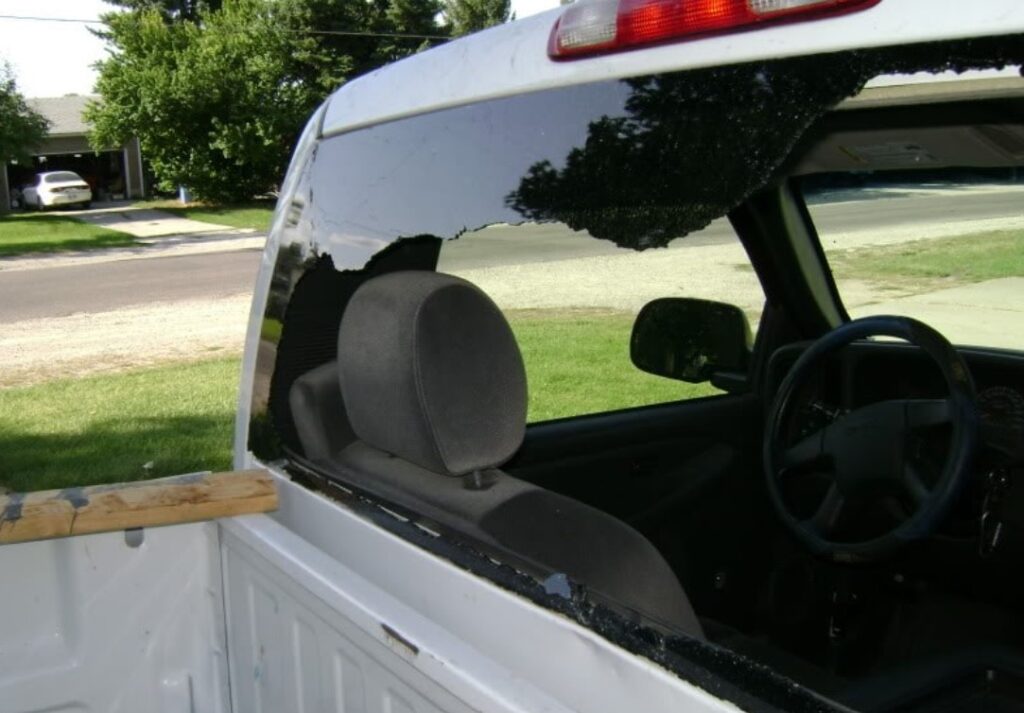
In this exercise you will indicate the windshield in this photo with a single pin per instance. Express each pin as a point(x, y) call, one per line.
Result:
point(943, 246)
point(61, 177)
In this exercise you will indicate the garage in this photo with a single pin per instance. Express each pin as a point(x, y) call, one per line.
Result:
point(113, 174)
point(103, 171)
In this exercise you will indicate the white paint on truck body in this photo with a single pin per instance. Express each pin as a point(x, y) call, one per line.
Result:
point(343, 578)
point(512, 59)
point(317, 608)
point(91, 623)
point(357, 608)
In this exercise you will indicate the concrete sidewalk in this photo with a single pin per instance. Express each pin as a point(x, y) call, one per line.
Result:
point(158, 234)
point(987, 313)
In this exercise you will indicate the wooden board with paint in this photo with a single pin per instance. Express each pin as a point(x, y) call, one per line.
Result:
point(104, 508)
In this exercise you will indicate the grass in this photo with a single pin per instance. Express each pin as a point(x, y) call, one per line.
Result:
point(255, 215)
point(141, 424)
point(599, 376)
point(153, 422)
point(21, 234)
point(936, 262)
point(271, 329)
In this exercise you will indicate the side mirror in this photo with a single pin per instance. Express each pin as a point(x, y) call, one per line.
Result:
point(692, 340)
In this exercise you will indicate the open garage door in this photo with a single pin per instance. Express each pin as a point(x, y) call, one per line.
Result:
point(105, 172)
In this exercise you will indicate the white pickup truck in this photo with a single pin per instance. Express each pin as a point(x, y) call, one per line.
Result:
point(529, 453)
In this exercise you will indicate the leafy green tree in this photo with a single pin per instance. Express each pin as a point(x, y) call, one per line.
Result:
point(466, 16)
point(218, 103)
point(417, 19)
point(642, 179)
point(172, 10)
point(21, 127)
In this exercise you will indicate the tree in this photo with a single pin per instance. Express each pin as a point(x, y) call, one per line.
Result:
point(21, 127)
point(218, 102)
point(415, 18)
point(172, 10)
point(466, 16)
point(687, 148)
point(216, 107)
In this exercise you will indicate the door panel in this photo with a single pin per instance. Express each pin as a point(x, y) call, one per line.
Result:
point(687, 475)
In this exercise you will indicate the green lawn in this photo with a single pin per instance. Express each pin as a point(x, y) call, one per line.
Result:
point(23, 233)
point(255, 215)
point(599, 377)
point(935, 262)
point(173, 419)
point(140, 424)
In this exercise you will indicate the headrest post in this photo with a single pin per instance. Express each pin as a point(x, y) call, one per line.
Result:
point(479, 480)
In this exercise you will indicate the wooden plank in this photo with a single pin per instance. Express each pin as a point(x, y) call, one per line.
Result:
point(179, 499)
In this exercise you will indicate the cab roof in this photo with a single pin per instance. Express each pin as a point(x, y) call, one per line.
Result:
point(512, 58)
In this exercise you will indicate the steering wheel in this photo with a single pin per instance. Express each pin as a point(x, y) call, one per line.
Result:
point(862, 453)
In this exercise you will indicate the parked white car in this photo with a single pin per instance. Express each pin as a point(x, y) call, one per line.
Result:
point(57, 189)
point(500, 368)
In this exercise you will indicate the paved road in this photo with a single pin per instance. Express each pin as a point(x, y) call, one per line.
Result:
point(893, 209)
point(100, 287)
point(889, 210)
point(59, 291)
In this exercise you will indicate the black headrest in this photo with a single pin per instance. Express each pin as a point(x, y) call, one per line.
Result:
point(430, 372)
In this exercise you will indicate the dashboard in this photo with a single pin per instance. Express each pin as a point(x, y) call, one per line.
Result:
point(958, 590)
point(988, 519)
point(868, 372)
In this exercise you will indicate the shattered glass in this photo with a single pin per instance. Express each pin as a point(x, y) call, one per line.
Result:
point(637, 162)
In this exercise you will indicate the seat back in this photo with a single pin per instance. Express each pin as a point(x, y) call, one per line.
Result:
point(434, 388)
point(319, 413)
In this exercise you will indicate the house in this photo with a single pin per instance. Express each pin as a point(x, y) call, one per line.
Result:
point(112, 173)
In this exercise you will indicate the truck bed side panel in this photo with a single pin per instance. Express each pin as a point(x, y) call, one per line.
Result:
point(109, 624)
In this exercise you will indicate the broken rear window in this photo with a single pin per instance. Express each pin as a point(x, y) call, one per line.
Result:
point(633, 164)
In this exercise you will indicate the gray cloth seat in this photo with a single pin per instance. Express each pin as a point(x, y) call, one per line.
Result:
point(433, 390)
point(318, 412)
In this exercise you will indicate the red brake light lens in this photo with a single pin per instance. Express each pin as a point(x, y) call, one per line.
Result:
point(594, 26)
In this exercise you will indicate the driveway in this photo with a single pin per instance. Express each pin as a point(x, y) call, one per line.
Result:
point(147, 223)
point(986, 313)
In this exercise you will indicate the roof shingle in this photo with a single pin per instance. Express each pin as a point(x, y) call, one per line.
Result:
point(64, 113)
